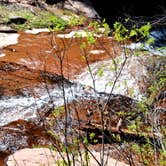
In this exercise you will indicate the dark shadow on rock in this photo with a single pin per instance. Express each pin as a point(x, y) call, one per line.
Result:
point(21, 134)
point(51, 2)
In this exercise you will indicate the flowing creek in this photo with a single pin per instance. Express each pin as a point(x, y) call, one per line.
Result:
point(41, 68)
point(36, 58)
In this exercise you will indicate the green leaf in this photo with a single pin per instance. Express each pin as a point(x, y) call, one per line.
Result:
point(100, 72)
point(133, 33)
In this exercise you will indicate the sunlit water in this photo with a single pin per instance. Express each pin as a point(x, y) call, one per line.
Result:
point(104, 77)
point(27, 107)
point(101, 76)
point(157, 47)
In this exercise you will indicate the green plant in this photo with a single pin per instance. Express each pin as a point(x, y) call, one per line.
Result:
point(95, 26)
point(106, 27)
point(43, 19)
point(145, 148)
point(76, 20)
point(91, 38)
point(158, 84)
point(60, 163)
point(47, 20)
point(122, 32)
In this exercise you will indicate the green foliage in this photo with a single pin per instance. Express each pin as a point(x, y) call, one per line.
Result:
point(158, 84)
point(106, 27)
point(122, 32)
point(144, 30)
point(58, 111)
point(76, 21)
point(162, 160)
point(83, 45)
point(145, 153)
point(136, 148)
point(85, 141)
point(118, 138)
point(113, 65)
point(47, 20)
point(92, 138)
point(100, 72)
point(42, 19)
point(150, 41)
point(86, 158)
point(60, 163)
point(95, 25)
point(90, 38)
point(162, 48)
point(6, 13)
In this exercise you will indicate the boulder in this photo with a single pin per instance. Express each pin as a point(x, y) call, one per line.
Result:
point(21, 134)
point(47, 157)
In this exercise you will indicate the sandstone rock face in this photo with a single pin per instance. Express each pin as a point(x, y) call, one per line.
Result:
point(43, 156)
point(79, 7)
point(34, 95)
point(84, 6)
point(83, 117)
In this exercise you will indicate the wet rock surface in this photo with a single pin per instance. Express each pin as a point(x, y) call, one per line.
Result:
point(8, 38)
point(16, 79)
point(30, 94)
point(41, 52)
point(84, 115)
point(29, 79)
point(159, 36)
point(36, 94)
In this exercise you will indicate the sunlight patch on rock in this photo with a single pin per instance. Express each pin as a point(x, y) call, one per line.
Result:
point(36, 31)
point(78, 33)
point(97, 51)
point(8, 39)
point(44, 156)
point(2, 54)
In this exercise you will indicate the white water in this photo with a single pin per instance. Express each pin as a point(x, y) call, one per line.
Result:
point(150, 49)
point(158, 47)
point(26, 107)
point(104, 75)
